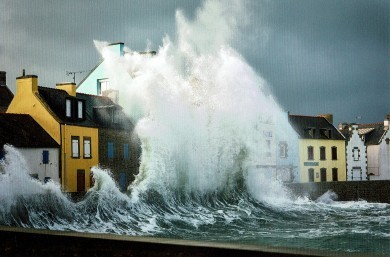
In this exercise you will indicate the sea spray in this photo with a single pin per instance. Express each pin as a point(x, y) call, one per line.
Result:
point(200, 109)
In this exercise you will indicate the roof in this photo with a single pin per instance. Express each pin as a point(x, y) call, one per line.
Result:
point(6, 97)
point(56, 100)
point(100, 110)
point(374, 134)
point(314, 127)
point(21, 130)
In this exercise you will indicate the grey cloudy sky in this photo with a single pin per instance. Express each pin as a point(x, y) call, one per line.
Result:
point(322, 56)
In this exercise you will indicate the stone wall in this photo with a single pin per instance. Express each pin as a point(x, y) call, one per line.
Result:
point(371, 191)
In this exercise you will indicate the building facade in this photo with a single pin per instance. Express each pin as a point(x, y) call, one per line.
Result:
point(62, 115)
point(356, 152)
point(321, 149)
point(119, 147)
point(37, 147)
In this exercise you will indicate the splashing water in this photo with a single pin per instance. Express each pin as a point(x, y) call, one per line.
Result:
point(200, 110)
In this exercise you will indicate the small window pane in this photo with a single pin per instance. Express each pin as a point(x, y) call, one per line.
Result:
point(126, 151)
point(80, 109)
point(110, 150)
point(87, 148)
point(45, 157)
point(68, 108)
point(75, 147)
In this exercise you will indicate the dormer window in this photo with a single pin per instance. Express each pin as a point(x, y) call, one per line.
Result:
point(68, 108)
point(311, 132)
point(74, 109)
point(326, 133)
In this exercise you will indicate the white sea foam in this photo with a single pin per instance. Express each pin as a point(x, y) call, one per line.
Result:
point(200, 109)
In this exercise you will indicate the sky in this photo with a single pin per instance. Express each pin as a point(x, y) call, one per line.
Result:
point(322, 56)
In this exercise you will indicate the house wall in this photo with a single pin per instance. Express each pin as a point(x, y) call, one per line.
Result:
point(287, 168)
point(70, 165)
point(33, 157)
point(26, 101)
point(90, 84)
point(379, 159)
point(353, 164)
point(317, 164)
point(118, 163)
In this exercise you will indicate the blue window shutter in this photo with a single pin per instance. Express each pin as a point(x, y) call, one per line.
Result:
point(126, 151)
point(110, 150)
point(122, 181)
point(45, 157)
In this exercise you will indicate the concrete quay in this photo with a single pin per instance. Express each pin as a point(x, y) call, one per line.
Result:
point(16, 241)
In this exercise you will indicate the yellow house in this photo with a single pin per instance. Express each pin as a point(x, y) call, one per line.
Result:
point(321, 149)
point(62, 115)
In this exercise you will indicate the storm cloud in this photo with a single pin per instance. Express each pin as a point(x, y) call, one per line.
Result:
point(317, 56)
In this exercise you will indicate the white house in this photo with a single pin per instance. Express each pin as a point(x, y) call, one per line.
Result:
point(40, 151)
point(367, 151)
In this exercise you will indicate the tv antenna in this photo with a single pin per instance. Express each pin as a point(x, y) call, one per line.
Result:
point(70, 73)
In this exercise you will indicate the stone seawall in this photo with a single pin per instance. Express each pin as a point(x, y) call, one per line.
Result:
point(371, 191)
point(16, 241)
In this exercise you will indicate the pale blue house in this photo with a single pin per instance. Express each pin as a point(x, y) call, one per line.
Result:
point(97, 82)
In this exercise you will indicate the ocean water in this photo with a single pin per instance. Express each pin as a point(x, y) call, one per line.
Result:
point(231, 215)
point(204, 118)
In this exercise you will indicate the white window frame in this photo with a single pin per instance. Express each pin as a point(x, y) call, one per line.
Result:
point(68, 104)
point(87, 147)
point(75, 147)
point(80, 109)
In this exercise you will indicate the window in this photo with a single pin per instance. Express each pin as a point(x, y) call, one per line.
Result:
point(334, 153)
point(334, 174)
point(310, 153)
point(103, 85)
point(115, 116)
point(80, 110)
point(311, 175)
point(283, 149)
point(356, 173)
point(87, 147)
point(268, 151)
point(312, 132)
point(356, 154)
point(122, 181)
point(110, 150)
point(68, 108)
point(75, 147)
point(126, 151)
point(322, 153)
point(45, 157)
point(323, 174)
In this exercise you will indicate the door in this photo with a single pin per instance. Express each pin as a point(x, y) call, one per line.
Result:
point(80, 180)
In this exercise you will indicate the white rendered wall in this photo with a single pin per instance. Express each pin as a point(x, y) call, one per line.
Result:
point(353, 164)
point(33, 157)
point(380, 158)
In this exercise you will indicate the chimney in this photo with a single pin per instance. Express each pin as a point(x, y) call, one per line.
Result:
point(386, 122)
point(69, 87)
point(117, 48)
point(327, 116)
point(3, 78)
point(27, 83)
